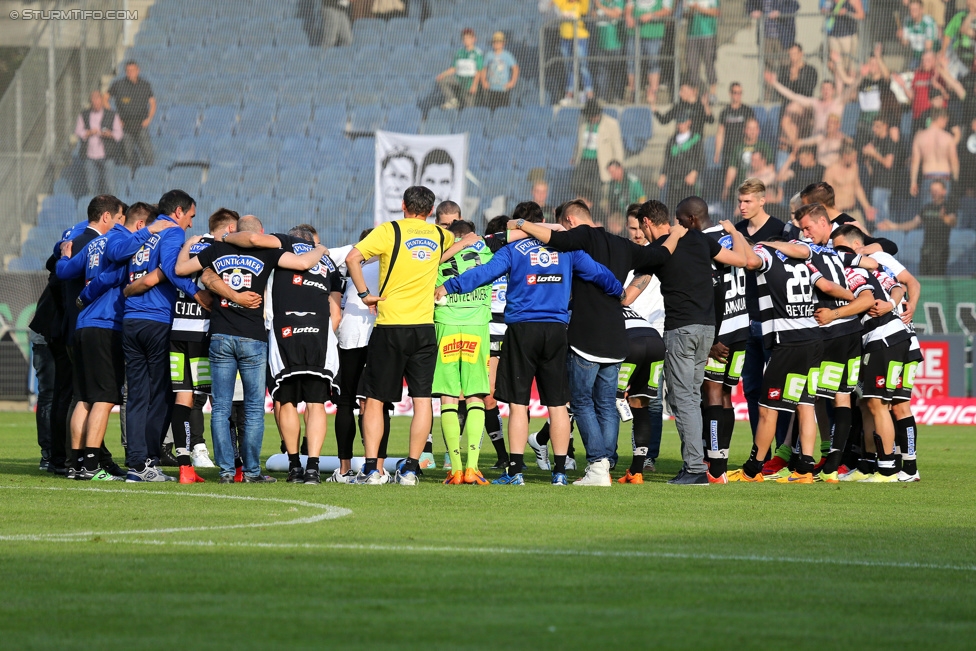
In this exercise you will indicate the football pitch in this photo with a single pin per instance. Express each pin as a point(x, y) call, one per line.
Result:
point(165, 566)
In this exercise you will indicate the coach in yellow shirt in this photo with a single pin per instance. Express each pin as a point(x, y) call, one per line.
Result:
point(403, 343)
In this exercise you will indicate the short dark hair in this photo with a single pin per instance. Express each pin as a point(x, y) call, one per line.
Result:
point(529, 211)
point(104, 203)
point(461, 227)
point(140, 211)
point(220, 218)
point(576, 207)
point(692, 207)
point(418, 200)
point(614, 162)
point(364, 233)
point(812, 210)
point(302, 232)
point(399, 153)
point(496, 224)
point(821, 192)
point(632, 210)
point(309, 228)
point(849, 232)
point(807, 149)
point(131, 62)
point(447, 208)
point(655, 212)
point(169, 202)
point(436, 157)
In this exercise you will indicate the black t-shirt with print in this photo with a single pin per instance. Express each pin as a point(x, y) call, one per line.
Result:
point(131, 101)
point(242, 270)
point(735, 122)
point(686, 281)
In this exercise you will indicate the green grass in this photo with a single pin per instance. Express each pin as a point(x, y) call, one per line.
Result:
point(737, 566)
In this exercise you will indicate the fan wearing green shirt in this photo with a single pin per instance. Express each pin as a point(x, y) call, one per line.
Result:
point(649, 18)
point(457, 83)
point(463, 345)
point(622, 190)
point(919, 33)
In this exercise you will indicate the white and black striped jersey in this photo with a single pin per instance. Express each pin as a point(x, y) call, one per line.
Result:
point(499, 288)
point(298, 318)
point(636, 325)
point(832, 267)
point(786, 303)
point(730, 287)
point(887, 329)
point(190, 321)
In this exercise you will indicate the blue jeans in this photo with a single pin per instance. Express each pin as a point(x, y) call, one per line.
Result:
point(230, 355)
point(593, 387)
point(881, 200)
point(650, 53)
point(566, 50)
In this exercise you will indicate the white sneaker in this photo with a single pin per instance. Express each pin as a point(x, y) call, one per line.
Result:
point(200, 456)
point(450, 104)
point(338, 477)
point(623, 409)
point(407, 478)
point(541, 452)
point(569, 100)
point(570, 463)
point(904, 476)
point(374, 478)
point(597, 474)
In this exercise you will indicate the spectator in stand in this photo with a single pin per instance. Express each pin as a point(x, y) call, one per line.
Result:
point(702, 41)
point(652, 17)
point(919, 33)
point(763, 169)
point(540, 195)
point(966, 152)
point(959, 38)
point(842, 24)
point(610, 75)
point(879, 158)
point(598, 142)
point(741, 156)
point(99, 130)
point(828, 143)
point(937, 218)
point(336, 26)
point(845, 177)
point(952, 109)
point(930, 78)
point(684, 157)
point(623, 189)
point(688, 103)
point(731, 122)
point(800, 170)
point(934, 8)
point(573, 34)
point(934, 155)
point(797, 75)
point(457, 83)
point(500, 73)
point(874, 96)
point(832, 101)
point(136, 106)
point(779, 27)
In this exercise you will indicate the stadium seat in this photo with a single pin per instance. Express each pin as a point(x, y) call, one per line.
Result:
point(636, 127)
point(291, 121)
point(961, 244)
point(405, 119)
point(366, 119)
point(566, 123)
point(294, 183)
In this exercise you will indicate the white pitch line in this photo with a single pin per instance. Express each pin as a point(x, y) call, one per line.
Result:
point(329, 512)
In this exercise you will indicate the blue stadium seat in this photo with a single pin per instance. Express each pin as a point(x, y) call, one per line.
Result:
point(185, 178)
point(295, 183)
point(261, 206)
point(328, 121)
point(439, 121)
point(636, 127)
point(218, 121)
point(961, 245)
point(292, 121)
point(255, 120)
point(366, 119)
point(505, 121)
point(58, 206)
point(911, 253)
point(223, 181)
point(148, 183)
point(405, 119)
point(257, 181)
point(566, 123)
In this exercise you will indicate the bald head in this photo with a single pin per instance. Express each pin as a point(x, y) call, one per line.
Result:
point(250, 224)
point(692, 212)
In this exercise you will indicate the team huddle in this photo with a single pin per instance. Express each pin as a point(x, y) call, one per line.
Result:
point(813, 316)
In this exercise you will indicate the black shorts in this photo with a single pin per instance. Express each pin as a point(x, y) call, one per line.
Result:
point(840, 367)
point(398, 352)
point(303, 387)
point(640, 373)
point(533, 350)
point(349, 383)
point(882, 371)
point(729, 373)
point(102, 365)
point(788, 375)
point(77, 370)
point(189, 366)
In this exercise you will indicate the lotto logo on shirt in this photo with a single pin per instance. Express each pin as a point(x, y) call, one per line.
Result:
point(286, 332)
point(421, 248)
point(237, 280)
point(879, 381)
point(775, 394)
point(296, 279)
point(460, 348)
point(543, 258)
point(543, 279)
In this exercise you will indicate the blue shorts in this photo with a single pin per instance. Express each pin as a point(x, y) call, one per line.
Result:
point(650, 51)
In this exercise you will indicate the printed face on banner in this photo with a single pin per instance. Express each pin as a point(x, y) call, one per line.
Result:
point(402, 160)
point(395, 177)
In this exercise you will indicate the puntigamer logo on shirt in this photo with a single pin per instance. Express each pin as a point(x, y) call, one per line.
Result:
point(234, 270)
point(421, 248)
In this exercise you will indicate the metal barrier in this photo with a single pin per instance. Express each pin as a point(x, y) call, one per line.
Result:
point(37, 113)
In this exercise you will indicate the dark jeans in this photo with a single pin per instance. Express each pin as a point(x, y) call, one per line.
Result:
point(60, 402)
point(44, 370)
point(656, 407)
point(149, 402)
point(137, 147)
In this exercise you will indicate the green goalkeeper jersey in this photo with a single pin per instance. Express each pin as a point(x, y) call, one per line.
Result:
point(473, 308)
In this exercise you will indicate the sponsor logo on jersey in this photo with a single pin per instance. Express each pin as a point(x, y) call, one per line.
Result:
point(775, 394)
point(526, 245)
point(237, 262)
point(543, 258)
point(726, 241)
point(460, 348)
point(543, 279)
point(94, 260)
point(288, 331)
point(879, 381)
point(296, 279)
point(237, 280)
point(421, 248)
